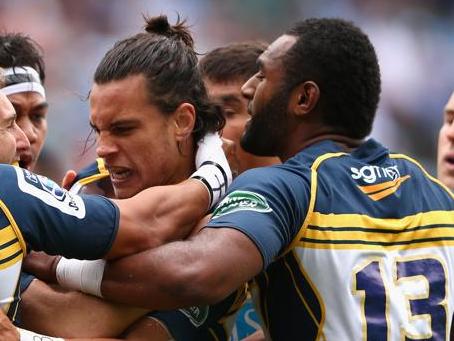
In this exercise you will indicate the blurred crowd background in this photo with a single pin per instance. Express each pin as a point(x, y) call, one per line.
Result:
point(414, 40)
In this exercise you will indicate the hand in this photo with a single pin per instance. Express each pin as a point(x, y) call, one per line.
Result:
point(68, 179)
point(213, 170)
point(7, 331)
point(42, 266)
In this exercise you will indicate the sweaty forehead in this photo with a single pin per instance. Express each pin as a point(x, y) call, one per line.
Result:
point(277, 49)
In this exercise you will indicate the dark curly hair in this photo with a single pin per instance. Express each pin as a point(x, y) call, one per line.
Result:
point(234, 62)
point(339, 57)
point(17, 49)
point(165, 56)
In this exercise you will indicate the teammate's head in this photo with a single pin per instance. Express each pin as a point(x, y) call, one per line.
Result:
point(12, 138)
point(224, 71)
point(22, 59)
point(445, 159)
point(149, 107)
point(322, 74)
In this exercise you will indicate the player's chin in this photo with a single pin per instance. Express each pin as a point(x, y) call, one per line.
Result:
point(125, 191)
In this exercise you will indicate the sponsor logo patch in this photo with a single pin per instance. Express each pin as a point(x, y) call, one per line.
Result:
point(241, 201)
point(50, 193)
point(197, 315)
point(377, 187)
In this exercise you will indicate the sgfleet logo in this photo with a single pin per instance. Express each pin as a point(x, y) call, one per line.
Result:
point(370, 174)
point(383, 181)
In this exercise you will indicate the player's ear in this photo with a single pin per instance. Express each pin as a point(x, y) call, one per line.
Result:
point(303, 98)
point(184, 121)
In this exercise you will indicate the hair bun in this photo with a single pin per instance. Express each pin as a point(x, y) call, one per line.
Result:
point(160, 25)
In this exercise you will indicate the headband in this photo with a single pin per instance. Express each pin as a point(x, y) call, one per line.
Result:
point(22, 79)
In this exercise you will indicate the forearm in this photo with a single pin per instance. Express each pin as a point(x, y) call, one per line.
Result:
point(84, 315)
point(158, 215)
point(202, 270)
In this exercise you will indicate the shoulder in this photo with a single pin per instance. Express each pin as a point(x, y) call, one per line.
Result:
point(7, 170)
point(287, 174)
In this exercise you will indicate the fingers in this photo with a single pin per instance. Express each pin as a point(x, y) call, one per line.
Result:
point(68, 179)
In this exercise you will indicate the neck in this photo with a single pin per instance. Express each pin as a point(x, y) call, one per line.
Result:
point(347, 143)
point(185, 166)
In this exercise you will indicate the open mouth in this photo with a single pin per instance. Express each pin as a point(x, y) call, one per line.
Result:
point(449, 163)
point(25, 161)
point(450, 160)
point(119, 174)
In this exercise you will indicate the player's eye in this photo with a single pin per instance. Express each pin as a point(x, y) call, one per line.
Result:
point(122, 130)
point(260, 76)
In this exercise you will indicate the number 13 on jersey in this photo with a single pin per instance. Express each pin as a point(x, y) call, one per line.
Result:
point(409, 298)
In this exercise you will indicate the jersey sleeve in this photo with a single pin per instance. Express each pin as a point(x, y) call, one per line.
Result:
point(268, 205)
point(53, 220)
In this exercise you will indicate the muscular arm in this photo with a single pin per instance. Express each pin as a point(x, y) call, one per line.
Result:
point(52, 311)
point(201, 270)
point(158, 215)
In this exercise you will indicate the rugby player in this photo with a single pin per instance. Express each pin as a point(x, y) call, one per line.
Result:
point(224, 71)
point(39, 213)
point(125, 122)
point(24, 70)
point(344, 238)
point(227, 69)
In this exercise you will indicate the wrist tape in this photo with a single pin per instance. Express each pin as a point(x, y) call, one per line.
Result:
point(26, 335)
point(215, 179)
point(81, 275)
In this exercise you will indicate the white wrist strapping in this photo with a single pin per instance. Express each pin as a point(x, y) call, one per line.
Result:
point(81, 275)
point(26, 335)
point(213, 169)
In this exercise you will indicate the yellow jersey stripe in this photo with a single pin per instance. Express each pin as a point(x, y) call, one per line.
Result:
point(16, 229)
point(103, 173)
point(357, 245)
point(7, 234)
point(395, 224)
point(102, 166)
point(405, 157)
point(9, 249)
point(380, 237)
point(310, 210)
point(303, 272)
point(389, 191)
point(382, 186)
point(12, 259)
point(92, 178)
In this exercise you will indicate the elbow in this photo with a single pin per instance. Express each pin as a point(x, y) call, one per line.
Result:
point(198, 284)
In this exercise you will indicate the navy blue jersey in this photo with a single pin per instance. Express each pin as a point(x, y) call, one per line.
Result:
point(53, 220)
point(203, 323)
point(37, 214)
point(95, 174)
point(355, 245)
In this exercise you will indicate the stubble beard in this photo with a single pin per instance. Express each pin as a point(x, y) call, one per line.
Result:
point(266, 131)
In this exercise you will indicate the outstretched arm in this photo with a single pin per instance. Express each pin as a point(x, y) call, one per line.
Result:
point(201, 270)
point(158, 215)
point(83, 315)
